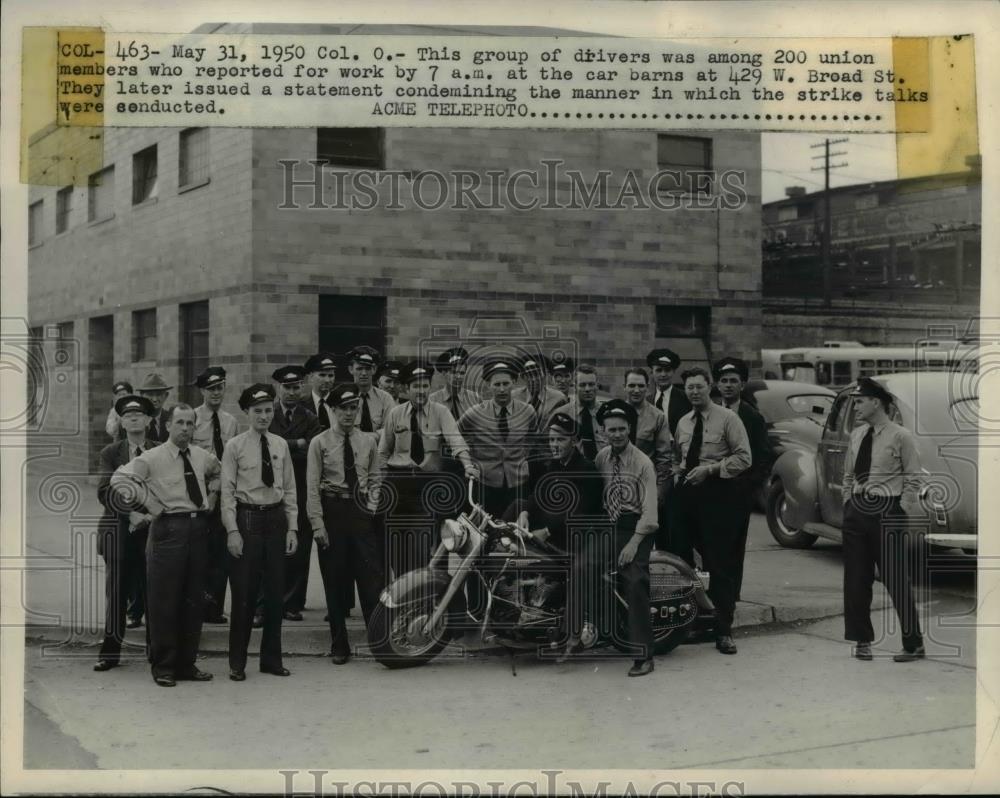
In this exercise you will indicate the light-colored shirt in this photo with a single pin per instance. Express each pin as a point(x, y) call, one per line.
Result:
point(203, 427)
point(155, 479)
point(466, 399)
point(724, 440)
point(653, 439)
point(895, 469)
point(574, 409)
point(112, 424)
point(638, 493)
point(379, 404)
point(436, 425)
point(325, 468)
point(242, 479)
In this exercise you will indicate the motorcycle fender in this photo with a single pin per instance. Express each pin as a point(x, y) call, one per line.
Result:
point(419, 582)
point(704, 602)
point(797, 471)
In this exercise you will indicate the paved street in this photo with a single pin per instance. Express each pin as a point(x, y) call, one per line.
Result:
point(792, 697)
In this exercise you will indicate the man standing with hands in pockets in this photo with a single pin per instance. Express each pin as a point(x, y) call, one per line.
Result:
point(260, 514)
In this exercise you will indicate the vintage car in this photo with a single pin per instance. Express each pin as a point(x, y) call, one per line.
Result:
point(804, 501)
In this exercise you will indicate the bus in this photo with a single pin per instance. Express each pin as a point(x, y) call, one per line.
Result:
point(836, 367)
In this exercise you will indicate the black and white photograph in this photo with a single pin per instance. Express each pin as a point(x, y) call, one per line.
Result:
point(499, 399)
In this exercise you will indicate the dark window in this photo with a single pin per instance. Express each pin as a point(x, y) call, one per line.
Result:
point(349, 321)
point(34, 223)
point(64, 206)
point(144, 334)
point(351, 146)
point(841, 372)
point(101, 195)
point(64, 331)
point(144, 175)
point(194, 348)
point(688, 159)
point(841, 407)
point(685, 330)
point(805, 210)
point(192, 168)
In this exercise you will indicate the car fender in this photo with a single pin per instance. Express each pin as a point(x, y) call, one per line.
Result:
point(797, 471)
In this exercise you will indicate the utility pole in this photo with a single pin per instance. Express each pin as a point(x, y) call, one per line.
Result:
point(825, 241)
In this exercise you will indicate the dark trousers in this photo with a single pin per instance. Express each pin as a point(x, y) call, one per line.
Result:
point(411, 523)
point(663, 515)
point(871, 539)
point(116, 583)
point(260, 571)
point(634, 579)
point(710, 517)
point(749, 490)
point(354, 548)
point(497, 500)
point(297, 566)
point(135, 572)
point(218, 566)
point(176, 563)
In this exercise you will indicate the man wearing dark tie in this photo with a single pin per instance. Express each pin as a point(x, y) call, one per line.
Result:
point(297, 425)
point(119, 534)
point(375, 403)
point(453, 364)
point(178, 484)
point(562, 372)
point(155, 389)
point(543, 400)
point(583, 409)
point(668, 398)
point(881, 489)
point(387, 378)
point(322, 371)
point(213, 429)
point(706, 510)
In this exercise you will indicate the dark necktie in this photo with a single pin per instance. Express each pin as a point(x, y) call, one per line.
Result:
point(138, 451)
point(587, 434)
point(536, 404)
point(416, 439)
point(191, 481)
point(366, 415)
point(633, 429)
point(288, 417)
point(216, 434)
point(454, 407)
point(152, 432)
point(350, 471)
point(659, 401)
point(863, 462)
point(503, 424)
point(266, 469)
point(694, 448)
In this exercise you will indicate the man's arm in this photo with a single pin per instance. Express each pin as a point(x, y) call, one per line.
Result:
point(130, 489)
point(648, 521)
point(290, 499)
point(387, 443)
point(314, 473)
point(111, 425)
point(738, 459)
point(761, 452)
point(849, 458)
point(107, 468)
point(374, 478)
point(213, 472)
point(912, 474)
point(662, 450)
point(227, 483)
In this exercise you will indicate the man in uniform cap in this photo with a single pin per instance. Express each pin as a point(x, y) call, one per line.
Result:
point(387, 378)
point(119, 533)
point(562, 375)
point(881, 488)
point(668, 398)
point(410, 457)
point(630, 502)
point(111, 426)
point(499, 432)
point(155, 389)
point(213, 428)
point(535, 392)
point(375, 403)
point(583, 409)
point(342, 482)
point(260, 515)
point(731, 375)
point(297, 424)
point(322, 371)
point(178, 485)
point(706, 508)
point(454, 365)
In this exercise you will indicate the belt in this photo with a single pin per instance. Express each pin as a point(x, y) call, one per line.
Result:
point(185, 514)
point(339, 496)
point(875, 493)
point(260, 508)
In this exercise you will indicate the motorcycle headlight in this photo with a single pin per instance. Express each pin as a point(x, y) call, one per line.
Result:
point(452, 535)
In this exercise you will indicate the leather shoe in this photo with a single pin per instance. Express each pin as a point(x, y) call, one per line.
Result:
point(641, 667)
point(725, 644)
point(276, 671)
point(195, 675)
point(573, 647)
point(910, 656)
point(339, 657)
point(105, 665)
point(258, 621)
point(133, 623)
point(237, 676)
point(165, 681)
point(293, 615)
point(863, 651)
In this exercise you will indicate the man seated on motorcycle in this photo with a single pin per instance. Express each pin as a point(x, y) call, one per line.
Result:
point(566, 495)
point(630, 501)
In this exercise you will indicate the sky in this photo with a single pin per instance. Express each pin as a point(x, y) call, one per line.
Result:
point(786, 160)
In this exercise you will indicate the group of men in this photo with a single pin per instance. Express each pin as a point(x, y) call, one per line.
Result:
point(350, 466)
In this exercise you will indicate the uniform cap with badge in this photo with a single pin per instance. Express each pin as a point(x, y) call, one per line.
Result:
point(256, 394)
point(122, 385)
point(343, 395)
point(365, 355)
point(321, 361)
point(729, 365)
point(617, 408)
point(450, 358)
point(663, 357)
point(288, 375)
point(392, 368)
point(868, 387)
point(563, 423)
point(211, 377)
point(134, 404)
point(500, 366)
point(564, 366)
point(416, 370)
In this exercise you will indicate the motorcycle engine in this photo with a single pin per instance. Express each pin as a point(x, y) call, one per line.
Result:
point(524, 599)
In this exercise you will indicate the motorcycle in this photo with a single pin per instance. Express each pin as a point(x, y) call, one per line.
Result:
point(521, 581)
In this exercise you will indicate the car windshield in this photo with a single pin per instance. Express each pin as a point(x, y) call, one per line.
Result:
point(817, 405)
point(798, 372)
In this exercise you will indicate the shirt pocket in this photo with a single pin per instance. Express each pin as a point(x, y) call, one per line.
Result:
point(712, 438)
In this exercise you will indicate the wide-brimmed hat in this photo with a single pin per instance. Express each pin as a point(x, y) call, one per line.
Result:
point(153, 382)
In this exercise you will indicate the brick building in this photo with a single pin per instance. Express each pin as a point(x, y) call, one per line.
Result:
point(178, 253)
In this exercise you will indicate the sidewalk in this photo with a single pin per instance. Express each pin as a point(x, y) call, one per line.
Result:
point(63, 578)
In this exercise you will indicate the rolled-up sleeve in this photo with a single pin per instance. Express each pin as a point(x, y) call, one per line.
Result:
point(738, 460)
point(912, 473)
point(314, 473)
point(450, 431)
point(130, 488)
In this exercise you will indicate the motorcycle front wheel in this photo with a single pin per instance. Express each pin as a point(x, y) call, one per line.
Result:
point(396, 634)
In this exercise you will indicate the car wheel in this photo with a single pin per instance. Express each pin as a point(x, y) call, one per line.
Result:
point(787, 536)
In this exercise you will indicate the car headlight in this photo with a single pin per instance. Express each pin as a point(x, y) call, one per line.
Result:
point(452, 535)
